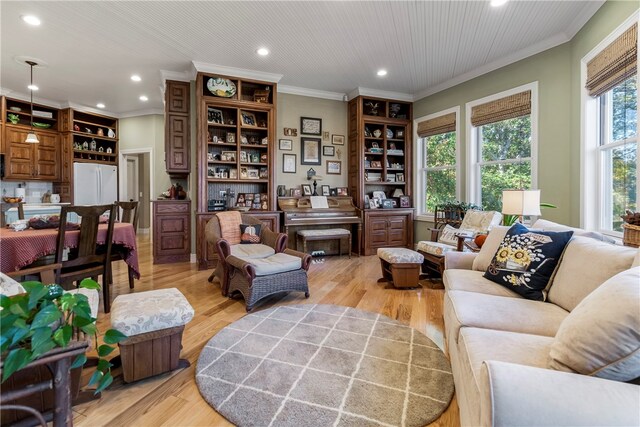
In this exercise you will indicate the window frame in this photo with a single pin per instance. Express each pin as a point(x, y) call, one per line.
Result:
point(473, 137)
point(592, 212)
point(420, 168)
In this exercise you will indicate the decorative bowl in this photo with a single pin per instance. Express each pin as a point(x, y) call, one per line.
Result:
point(16, 109)
point(41, 125)
point(7, 199)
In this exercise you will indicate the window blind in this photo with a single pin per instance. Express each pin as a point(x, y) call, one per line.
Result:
point(505, 108)
point(438, 125)
point(614, 64)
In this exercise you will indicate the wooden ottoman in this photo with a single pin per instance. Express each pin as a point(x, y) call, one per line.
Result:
point(400, 266)
point(342, 235)
point(154, 322)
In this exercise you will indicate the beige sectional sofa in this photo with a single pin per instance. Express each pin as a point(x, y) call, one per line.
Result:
point(501, 345)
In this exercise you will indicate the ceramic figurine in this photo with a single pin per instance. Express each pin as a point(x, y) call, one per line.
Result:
point(100, 132)
point(377, 133)
point(76, 127)
point(85, 145)
point(87, 130)
point(111, 133)
point(101, 150)
point(93, 145)
point(109, 150)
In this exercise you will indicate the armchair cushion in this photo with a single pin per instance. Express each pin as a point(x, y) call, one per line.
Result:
point(435, 248)
point(480, 221)
point(601, 336)
point(276, 263)
point(252, 251)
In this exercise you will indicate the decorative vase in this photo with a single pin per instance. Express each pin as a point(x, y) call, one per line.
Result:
point(282, 191)
point(111, 133)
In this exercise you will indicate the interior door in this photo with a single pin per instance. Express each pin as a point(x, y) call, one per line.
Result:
point(133, 173)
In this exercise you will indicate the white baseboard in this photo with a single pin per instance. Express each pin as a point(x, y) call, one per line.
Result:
point(193, 258)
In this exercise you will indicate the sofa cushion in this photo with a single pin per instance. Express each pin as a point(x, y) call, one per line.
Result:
point(435, 248)
point(636, 260)
point(473, 281)
point(545, 225)
point(480, 221)
point(490, 247)
point(585, 265)
point(277, 263)
point(526, 260)
point(601, 336)
point(471, 309)
point(249, 233)
point(252, 251)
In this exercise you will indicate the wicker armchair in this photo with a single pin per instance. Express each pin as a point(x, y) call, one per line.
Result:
point(213, 234)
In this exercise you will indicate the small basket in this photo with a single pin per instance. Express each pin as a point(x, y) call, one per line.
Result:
point(631, 236)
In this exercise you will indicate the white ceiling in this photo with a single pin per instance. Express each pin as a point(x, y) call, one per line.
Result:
point(92, 48)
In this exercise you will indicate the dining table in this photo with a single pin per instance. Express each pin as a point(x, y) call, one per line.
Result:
point(18, 249)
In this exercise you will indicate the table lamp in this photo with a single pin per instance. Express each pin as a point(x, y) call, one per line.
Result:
point(521, 202)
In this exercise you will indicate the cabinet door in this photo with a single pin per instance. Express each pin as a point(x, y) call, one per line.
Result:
point(47, 165)
point(178, 97)
point(19, 161)
point(172, 231)
point(397, 230)
point(377, 231)
point(177, 144)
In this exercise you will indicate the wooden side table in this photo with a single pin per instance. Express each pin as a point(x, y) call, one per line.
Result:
point(433, 264)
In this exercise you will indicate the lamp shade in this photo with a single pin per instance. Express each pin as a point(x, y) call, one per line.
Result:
point(521, 202)
point(397, 192)
point(32, 138)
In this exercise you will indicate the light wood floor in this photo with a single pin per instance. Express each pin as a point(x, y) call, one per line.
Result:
point(173, 399)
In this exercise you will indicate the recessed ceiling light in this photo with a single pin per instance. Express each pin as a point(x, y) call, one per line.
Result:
point(100, 105)
point(263, 51)
point(382, 73)
point(31, 20)
point(496, 3)
point(136, 78)
point(143, 98)
point(32, 87)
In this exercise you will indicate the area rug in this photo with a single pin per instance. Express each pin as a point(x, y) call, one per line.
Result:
point(323, 365)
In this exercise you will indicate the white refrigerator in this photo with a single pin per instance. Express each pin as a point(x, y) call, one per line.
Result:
point(94, 184)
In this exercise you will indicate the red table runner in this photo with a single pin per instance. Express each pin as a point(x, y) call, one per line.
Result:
point(21, 248)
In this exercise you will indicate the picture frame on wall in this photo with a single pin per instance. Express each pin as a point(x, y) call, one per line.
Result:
point(286, 144)
point(326, 190)
point(306, 189)
point(328, 150)
point(289, 163)
point(337, 139)
point(334, 167)
point(310, 126)
point(310, 151)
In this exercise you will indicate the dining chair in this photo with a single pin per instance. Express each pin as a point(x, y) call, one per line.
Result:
point(6, 206)
point(88, 259)
point(127, 212)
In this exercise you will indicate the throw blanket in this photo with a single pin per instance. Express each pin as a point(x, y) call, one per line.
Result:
point(230, 226)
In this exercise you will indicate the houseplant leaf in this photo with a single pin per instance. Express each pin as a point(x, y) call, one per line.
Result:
point(46, 316)
point(113, 336)
point(16, 360)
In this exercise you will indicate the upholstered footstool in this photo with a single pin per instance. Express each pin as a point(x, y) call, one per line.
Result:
point(153, 322)
point(400, 266)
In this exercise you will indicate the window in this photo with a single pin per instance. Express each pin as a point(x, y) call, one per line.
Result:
point(617, 154)
point(501, 145)
point(438, 175)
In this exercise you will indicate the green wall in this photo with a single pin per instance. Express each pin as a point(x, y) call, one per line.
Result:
point(557, 72)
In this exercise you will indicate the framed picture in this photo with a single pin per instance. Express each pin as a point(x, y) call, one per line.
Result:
point(405, 202)
point(391, 178)
point(376, 164)
point(387, 204)
point(334, 167)
point(326, 190)
point(374, 203)
point(290, 132)
point(231, 137)
point(243, 157)
point(214, 116)
point(289, 163)
point(295, 192)
point(286, 144)
point(310, 126)
point(263, 158)
point(228, 156)
point(328, 150)
point(243, 139)
point(379, 195)
point(337, 139)
point(375, 145)
point(244, 174)
point(233, 173)
point(399, 134)
point(306, 189)
point(248, 118)
point(253, 173)
point(264, 173)
point(392, 146)
point(399, 177)
point(342, 191)
point(311, 151)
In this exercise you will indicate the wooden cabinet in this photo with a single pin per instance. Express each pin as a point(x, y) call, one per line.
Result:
point(380, 161)
point(94, 137)
point(387, 228)
point(32, 162)
point(177, 133)
point(236, 143)
point(171, 231)
point(206, 253)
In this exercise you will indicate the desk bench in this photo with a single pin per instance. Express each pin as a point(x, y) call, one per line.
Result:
point(344, 236)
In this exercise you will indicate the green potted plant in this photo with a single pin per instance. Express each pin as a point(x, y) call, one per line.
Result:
point(509, 220)
point(44, 318)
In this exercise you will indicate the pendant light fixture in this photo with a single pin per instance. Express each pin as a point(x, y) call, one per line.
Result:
point(32, 138)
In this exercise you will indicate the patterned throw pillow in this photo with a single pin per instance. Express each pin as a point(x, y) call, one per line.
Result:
point(526, 259)
point(250, 233)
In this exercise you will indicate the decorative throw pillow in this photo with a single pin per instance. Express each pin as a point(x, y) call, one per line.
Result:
point(601, 336)
point(250, 233)
point(525, 260)
point(448, 235)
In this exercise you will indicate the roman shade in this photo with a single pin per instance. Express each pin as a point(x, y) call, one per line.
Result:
point(505, 108)
point(438, 125)
point(614, 64)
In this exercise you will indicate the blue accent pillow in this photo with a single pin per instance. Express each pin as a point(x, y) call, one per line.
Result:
point(526, 260)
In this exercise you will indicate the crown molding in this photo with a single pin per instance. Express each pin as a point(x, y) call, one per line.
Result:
point(181, 76)
point(86, 109)
point(314, 93)
point(138, 113)
point(549, 43)
point(363, 91)
point(237, 72)
point(579, 21)
point(26, 98)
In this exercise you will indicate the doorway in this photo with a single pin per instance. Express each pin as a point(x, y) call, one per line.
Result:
point(136, 177)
